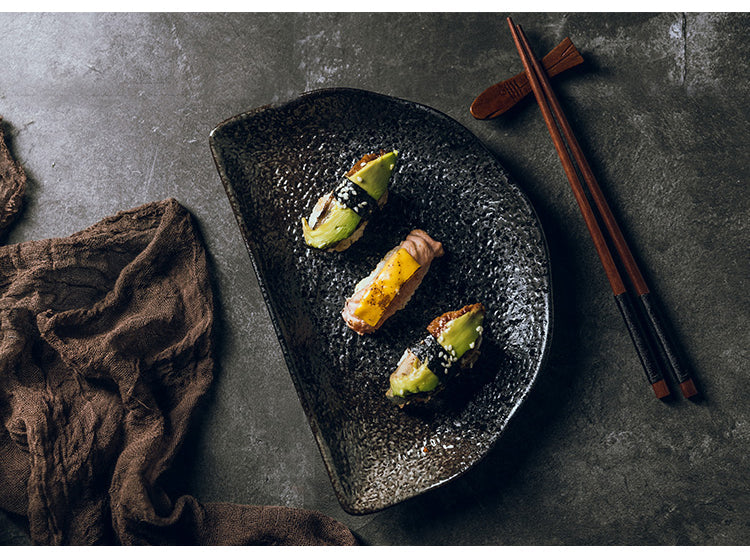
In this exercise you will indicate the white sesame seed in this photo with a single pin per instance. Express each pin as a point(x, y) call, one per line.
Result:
point(359, 179)
point(471, 345)
point(390, 166)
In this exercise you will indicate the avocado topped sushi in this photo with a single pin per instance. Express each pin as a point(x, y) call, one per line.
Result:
point(339, 218)
point(451, 347)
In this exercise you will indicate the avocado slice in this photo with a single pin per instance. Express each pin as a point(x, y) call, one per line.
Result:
point(373, 175)
point(418, 378)
point(339, 217)
point(460, 335)
point(332, 222)
point(425, 368)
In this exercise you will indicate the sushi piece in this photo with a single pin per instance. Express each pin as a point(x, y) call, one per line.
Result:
point(339, 218)
point(389, 287)
point(451, 347)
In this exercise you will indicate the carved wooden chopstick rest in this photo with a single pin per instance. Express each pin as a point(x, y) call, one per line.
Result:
point(500, 97)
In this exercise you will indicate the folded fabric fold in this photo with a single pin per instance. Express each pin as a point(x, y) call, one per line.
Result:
point(12, 185)
point(106, 346)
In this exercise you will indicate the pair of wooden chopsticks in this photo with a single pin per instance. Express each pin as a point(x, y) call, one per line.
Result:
point(549, 104)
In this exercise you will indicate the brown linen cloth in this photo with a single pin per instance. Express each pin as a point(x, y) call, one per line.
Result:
point(12, 185)
point(105, 349)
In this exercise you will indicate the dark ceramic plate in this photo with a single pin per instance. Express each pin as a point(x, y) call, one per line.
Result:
point(275, 162)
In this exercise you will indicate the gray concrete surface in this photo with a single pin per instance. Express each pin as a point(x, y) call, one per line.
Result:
point(107, 112)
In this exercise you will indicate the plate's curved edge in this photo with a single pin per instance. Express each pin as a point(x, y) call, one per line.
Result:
point(344, 499)
point(347, 502)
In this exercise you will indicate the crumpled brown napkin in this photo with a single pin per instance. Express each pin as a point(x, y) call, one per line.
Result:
point(105, 349)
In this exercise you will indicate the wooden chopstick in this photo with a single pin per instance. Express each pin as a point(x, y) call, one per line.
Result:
point(545, 96)
point(687, 386)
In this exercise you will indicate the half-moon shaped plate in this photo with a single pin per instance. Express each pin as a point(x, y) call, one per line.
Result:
point(275, 162)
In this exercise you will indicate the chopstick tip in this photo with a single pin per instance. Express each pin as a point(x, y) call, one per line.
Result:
point(661, 390)
point(688, 388)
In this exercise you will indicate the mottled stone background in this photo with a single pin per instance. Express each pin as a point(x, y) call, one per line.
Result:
point(110, 111)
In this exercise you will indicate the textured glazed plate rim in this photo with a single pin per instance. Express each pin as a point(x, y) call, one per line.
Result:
point(232, 196)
